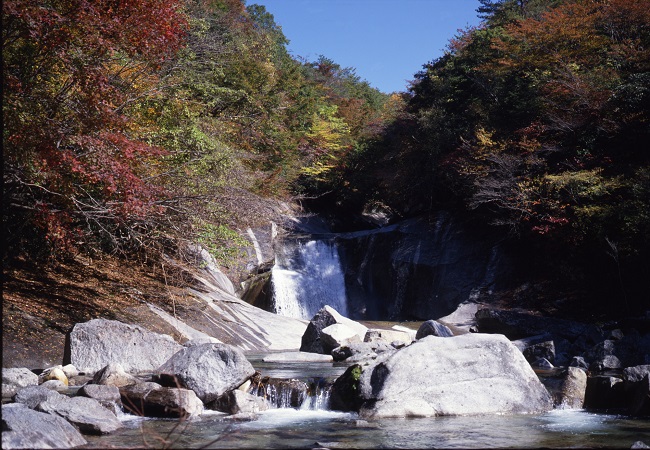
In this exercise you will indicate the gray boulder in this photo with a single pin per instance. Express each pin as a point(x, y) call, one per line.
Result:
point(433, 328)
point(336, 335)
point(312, 340)
point(87, 414)
point(534, 347)
point(362, 351)
point(468, 374)
point(113, 375)
point(94, 344)
point(579, 362)
point(389, 336)
point(573, 388)
point(107, 396)
point(16, 378)
point(636, 373)
point(605, 392)
point(294, 357)
point(210, 370)
point(25, 428)
point(238, 402)
point(607, 362)
point(55, 385)
point(153, 400)
point(31, 396)
point(542, 364)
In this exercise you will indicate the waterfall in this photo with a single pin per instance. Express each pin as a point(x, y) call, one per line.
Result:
point(306, 277)
point(312, 395)
point(320, 398)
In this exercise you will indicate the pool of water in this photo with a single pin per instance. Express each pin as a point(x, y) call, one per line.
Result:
point(293, 428)
point(301, 428)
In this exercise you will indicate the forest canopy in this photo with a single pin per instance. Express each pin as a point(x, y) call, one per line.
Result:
point(126, 138)
point(130, 124)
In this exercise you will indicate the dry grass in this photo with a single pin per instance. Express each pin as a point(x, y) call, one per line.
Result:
point(42, 303)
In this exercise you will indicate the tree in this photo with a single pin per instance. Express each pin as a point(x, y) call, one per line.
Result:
point(71, 163)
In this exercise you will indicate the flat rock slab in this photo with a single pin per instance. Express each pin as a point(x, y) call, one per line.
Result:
point(468, 374)
point(87, 414)
point(99, 342)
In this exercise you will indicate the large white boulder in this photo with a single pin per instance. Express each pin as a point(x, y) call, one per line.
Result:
point(210, 370)
point(99, 342)
point(468, 374)
point(336, 335)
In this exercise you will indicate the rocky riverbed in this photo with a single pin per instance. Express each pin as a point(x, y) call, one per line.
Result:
point(115, 367)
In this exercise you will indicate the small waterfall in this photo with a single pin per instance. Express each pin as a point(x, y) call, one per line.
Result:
point(306, 277)
point(319, 398)
point(281, 393)
point(297, 394)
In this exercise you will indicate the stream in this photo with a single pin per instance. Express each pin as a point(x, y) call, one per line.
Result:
point(311, 428)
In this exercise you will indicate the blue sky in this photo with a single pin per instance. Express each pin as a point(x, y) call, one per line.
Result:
point(386, 41)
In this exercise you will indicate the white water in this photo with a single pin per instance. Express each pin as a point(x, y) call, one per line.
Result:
point(306, 277)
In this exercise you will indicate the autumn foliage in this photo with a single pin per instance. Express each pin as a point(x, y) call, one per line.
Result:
point(537, 122)
point(131, 124)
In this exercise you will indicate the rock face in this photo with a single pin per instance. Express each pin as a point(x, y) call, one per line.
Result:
point(16, 378)
point(468, 374)
point(25, 428)
point(419, 268)
point(210, 370)
point(94, 344)
point(312, 339)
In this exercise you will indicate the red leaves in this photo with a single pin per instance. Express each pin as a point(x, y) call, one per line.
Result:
point(70, 66)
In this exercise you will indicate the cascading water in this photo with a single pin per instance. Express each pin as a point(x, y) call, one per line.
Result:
point(306, 277)
point(313, 395)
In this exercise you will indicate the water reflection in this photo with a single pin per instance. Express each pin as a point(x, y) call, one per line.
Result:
point(293, 428)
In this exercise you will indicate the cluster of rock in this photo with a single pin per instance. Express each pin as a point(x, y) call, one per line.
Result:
point(611, 368)
point(425, 373)
point(116, 368)
point(482, 371)
point(133, 370)
point(330, 333)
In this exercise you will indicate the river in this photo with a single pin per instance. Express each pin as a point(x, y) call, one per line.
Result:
point(308, 428)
